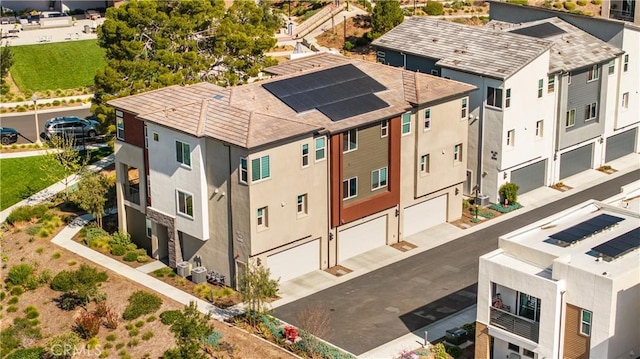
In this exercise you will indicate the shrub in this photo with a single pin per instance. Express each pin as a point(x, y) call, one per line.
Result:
point(27, 213)
point(64, 281)
point(142, 259)
point(433, 8)
point(454, 351)
point(12, 309)
point(19, 274)
point(121, 238)
point(134, 332)
point(17, 291)
point(569, 5)
point(32, 283)
point(502, 209)
point(118, 249)
point(87, 325)
point(56, 255)
point(30, 353)
point(581, 2)
point(470, 328)
point(31, 312)
point(348, 45)
point(141, 303)
point(111, 320)
point(44, 277)
point(93, 343)
point(557, 5)
point(519, 2)
point(170, 316)
point(111, 337)
point(147, 335)
point(101, 310)
point(119, 345)
point(133, 342)
point(509, 191)
point(151, 319)
point(13, 300)
point(2, 295)
point(69, 301)
point(596, 2)
point(65, 340)
point(139, 324)
point(131, 256)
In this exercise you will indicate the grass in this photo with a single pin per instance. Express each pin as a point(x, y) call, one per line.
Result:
point(47, 67)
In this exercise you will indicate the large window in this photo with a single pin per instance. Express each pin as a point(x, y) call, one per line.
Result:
point(540, 87)
point(244, 171)
point(350, 188)
point(183, 153)
point(585, 322)
point(260, 168)
point(379, 178)
point(551, 83)
point(185, 203)
point(262, 217)
point(494, 97)
point(511, 138)
point(457, 152)
point(612, 67)
point(593, 74)
point(591, 111)
point(424, 164)
point(571, 118)
point(350, 141)
point(384, 128)
point(625, 63)
point(529, 307)
point(406, 123)
point(305, 155)
point(119, 125)
point(320, 148)
point(464, 108)
point(427, 119)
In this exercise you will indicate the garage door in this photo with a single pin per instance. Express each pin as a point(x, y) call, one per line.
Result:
point(295, 262)
point(576, 161)
point(424, 215)
point(530, 177)
point(620, 145)
point(362, 238)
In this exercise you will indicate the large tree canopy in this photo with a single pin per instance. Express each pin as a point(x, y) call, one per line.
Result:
point(152, 44)
point(386, 15)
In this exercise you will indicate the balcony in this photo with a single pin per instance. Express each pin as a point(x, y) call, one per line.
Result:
point(132, 194)
point(512, 323)
point(625, 14)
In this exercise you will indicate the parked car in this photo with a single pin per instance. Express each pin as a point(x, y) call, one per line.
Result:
point(71, 127)
point(91, 14)
point(8, 135)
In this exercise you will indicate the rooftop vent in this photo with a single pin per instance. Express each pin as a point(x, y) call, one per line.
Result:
point(218, 97)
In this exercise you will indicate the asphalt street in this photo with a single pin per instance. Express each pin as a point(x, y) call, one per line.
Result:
point(375, 308)
point(25, 124)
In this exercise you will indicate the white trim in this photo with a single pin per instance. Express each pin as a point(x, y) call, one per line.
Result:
point(324, 149)
point(386, 178)
point(402, 123)
point(244, 170)
point(303, 156)
point(183, 214)
point(349, 186)
point(182, 164)
point(349, 141)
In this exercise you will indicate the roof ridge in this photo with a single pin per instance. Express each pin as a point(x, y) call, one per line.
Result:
point(203, 117)
point(417, 85)
point(249, 121)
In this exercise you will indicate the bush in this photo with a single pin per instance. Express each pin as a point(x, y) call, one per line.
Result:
point(19, 274)
point(87, 325)
point(519, 2)
point(118, 249)
point(131, 256)
point(151, 318)
point(69, 301)
point(101, 310)
point(569, 5)
point(13, 300)
point(121, 238)
point(134, 332)
point(27, 213)
point(141, 303)
point(64, 281)
point(454, 351)
point(83, 280)
point(12, 309)
point(502, 209)
point(433, 8)
point(147, 335)
point(348, 45)
point(596, 2)
point(65, 340)
point(170, 316)
point(93, 343)
point(142, 259)
point(509, 191)
point(557, 5)
point(111, 320)
point(31, 353)
point(581, 2)
point(44, 277)
point(17, 291)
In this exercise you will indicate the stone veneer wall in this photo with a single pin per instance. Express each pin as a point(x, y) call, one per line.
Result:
point(175, 252)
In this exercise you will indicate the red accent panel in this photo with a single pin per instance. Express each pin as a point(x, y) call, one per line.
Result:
point(335, 153)
point(133, 130)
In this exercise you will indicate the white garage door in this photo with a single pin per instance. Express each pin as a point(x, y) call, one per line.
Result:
point(295, 262)
point(424, 215)
point(362, 238)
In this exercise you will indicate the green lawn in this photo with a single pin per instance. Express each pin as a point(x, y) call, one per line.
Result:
point(59, 65)
point(22, 177)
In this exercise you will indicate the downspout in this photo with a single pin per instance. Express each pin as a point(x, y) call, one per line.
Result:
point(479, 166)
point(558, 121)
point(560, 324)
point(330, 234)
point(404, 60)
point(232, 259)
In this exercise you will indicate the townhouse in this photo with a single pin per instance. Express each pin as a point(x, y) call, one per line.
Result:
point(327, 159)
point(564, 287)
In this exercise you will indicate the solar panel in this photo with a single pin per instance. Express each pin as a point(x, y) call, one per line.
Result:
point(584, 229)
point(539, 31)
point(339, 92)
point(620, 245)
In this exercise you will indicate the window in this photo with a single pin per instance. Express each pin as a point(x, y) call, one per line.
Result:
point(379, 178)
point(185, 204)
point(119, 125)
point(540, 87)
point(528, 353)
point(320, 147)
point(569, 78)
point(464, 108)
point(625, 100)
point(384, 128)
point(539, 128)
point(146, 137)
point(612, 66)
point(244, 172)
point(625, 64)
point(305, 155)
point(593, 74)
point(148, 226)
point(511, 138)
point(262, 217)
point(350, 188)
point(183, 153)
point(406, 123)
point(571, 118)
point(585, 322)
point(350, 141)
point(148, 188)
point(514, 348)
point(507, 99)
point(424, 164)
point(457, 152)
point(156, 137)
point(302, 204)
point(494, 97)
point(260, 168)
point(551, 83)
point(380, 56)
point(427, 119)
point(590, 111)
point(434, 72)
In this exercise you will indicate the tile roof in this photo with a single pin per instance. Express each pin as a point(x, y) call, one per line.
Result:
point(572, 49)
point(250, 116)
point(478, 50)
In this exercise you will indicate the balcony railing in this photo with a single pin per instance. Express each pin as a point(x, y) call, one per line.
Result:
point(626, 14)
point(512, 323)
point(132, 194)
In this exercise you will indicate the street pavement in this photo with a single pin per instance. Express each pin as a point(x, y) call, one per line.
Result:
point(387, 303)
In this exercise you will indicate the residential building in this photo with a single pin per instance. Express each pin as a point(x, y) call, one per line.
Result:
point(564, 287)
point(298, 172)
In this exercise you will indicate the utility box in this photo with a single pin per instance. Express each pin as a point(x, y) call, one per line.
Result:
point(483, 200)
point(199, 275)
point(456, 336)
point(184, 269)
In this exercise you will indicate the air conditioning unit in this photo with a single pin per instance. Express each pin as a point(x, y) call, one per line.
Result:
point(184, 269)
point(456, 336)
point(483, 200)
point(199, 275)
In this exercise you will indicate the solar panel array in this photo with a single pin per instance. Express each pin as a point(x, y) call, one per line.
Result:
point(584, 229)
point(620, 245)
point(539, 31)
point(339, 92)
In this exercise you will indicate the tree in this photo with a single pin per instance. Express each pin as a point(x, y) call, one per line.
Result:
point(91, 194)
point(386, 15)
point(6, 61)
point(154, 44)
point(256, 287)
point(434, 8)
point(63, 153)
point(190, 329)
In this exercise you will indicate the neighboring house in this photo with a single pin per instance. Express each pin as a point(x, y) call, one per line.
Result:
point(564, 287)
point(298, 172)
